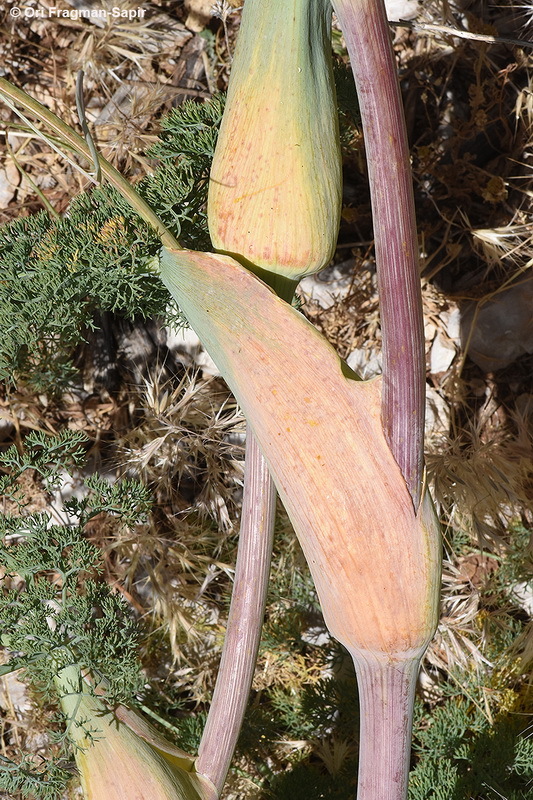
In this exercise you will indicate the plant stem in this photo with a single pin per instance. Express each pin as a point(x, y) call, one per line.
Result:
point(386, 696)
point(368, 39)
point(245, 619)
point(73, 141)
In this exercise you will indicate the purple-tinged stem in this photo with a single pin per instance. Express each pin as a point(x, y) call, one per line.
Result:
point(368, 39)
point(386, 697)
point(246, 613)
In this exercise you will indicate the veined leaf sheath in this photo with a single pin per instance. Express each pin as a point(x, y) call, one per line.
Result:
point(275, 188)
point(374, 561)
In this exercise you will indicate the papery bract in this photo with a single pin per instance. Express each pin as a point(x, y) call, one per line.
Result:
point(119, 755)
point(275, 188)
point(375, 562)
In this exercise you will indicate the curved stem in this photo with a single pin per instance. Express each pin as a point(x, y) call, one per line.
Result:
point(247, 608)
point(75, 142)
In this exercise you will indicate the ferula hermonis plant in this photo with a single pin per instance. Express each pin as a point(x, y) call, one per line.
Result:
point(346, 455)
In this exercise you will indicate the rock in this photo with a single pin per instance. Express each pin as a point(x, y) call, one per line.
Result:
point(6, 428)
point(402, 9)
point(502, 329)
point(185, 341)
point(9, 181)
point(523, 594)
point(366, 362)
point(441, 355)
point(14, 695)
point(328, 286)
point(437, 412)
point(453, 325)
point(199, 14)
point(68, 487)
point(429, 331)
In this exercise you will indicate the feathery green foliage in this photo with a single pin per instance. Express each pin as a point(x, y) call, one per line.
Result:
point(57, 610)
point(44, 454)
point(36, 781)
point(128, 499)
point(462, 753)
point(57, 273)
point(178, 189)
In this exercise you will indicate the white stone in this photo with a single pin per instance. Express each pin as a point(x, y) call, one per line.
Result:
point(9, 181)
point(442, 354)
point(317, 636)
point(14, 694)
point(429, 331)
point(401, 9)
point(501, 330)
point(366, 362)
point(184, 340)
point(453, 325)
point(69, 486)
point(437, 412)
point(523, 594)
point(6, 429)
point(328, 286)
